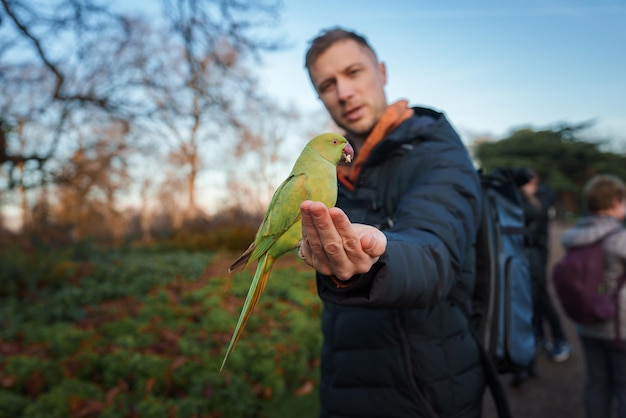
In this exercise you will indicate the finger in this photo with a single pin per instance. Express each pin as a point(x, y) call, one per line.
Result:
point(307, 221)
point(312, 248)
point(310, 232)
point(348, 234)
point(330, 241)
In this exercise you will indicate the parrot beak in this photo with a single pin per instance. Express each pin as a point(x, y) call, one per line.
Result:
point(348, 154)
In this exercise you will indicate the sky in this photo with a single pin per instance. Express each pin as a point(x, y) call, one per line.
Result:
point(491, 66)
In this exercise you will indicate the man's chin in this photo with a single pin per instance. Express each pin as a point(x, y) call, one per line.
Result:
point(360, 128)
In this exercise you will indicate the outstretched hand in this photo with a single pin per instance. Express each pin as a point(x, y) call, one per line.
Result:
point(336, 247)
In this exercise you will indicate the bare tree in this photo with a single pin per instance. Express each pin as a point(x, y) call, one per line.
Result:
point(261, 157)
point(71, 68)
point(59, 58)
point(88, 185)
point(200, 80)
point(145, 212)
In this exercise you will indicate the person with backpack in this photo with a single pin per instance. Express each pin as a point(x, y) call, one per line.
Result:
point(395, 343)
point(537, 202)
point(602, 340)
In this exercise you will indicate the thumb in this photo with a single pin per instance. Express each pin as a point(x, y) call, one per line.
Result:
point(374, 243)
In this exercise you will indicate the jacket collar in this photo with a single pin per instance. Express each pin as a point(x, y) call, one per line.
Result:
point(395, 114)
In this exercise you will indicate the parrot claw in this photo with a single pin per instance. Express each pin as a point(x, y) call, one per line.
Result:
point(300, 253)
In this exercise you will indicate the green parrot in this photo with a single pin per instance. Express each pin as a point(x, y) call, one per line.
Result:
point(313, 177)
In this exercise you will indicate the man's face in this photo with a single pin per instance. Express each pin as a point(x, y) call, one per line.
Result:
point(350, 83)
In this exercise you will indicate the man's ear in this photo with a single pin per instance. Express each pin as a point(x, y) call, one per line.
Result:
point(383, 71)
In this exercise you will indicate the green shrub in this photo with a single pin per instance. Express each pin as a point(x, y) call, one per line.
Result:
point(84, 365)
point(12, 404)
point(135, 369)
point(60, 338)
point(56, 402)
point(152, 407)
point(191, 407)
point(150, 328)
point(123, 405)
point(230, 394)
point(30, 375)
point(23, 272)
point(126, 334)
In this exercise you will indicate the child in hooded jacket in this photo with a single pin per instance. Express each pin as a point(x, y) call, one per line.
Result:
point(605, 361)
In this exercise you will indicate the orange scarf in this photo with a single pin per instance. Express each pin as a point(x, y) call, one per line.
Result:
point(390, 120)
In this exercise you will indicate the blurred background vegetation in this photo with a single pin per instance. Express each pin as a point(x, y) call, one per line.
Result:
point(113, 245)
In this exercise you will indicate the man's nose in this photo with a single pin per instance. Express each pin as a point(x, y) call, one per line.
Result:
point(345, 89)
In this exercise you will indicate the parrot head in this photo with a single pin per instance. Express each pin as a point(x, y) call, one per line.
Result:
point(334, 147)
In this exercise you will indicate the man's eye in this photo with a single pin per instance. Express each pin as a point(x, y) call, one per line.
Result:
point(325, 88)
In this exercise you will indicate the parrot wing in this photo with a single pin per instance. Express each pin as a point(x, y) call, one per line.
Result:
point(282, 212)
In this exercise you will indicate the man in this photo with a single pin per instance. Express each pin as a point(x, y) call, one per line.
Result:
point(395, 250)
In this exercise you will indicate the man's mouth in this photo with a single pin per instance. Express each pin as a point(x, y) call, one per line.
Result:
point(354, 113)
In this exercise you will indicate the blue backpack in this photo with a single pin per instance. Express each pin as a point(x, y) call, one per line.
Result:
point(502, 315)
point(502, 299)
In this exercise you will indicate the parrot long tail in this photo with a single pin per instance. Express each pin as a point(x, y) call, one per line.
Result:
point(254, 294)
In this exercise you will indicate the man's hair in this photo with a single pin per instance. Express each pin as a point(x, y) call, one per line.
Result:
point(328, 37)
point(601, 191)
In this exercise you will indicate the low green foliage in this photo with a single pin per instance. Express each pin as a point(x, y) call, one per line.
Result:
point(142, 333)
point(12, 404)
point(58, 401)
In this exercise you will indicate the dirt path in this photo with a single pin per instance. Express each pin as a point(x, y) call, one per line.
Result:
point(557, 391)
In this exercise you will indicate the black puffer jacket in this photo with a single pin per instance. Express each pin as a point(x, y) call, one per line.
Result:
point(394, 344)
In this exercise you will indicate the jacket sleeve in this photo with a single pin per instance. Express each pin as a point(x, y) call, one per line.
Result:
point(431, 242)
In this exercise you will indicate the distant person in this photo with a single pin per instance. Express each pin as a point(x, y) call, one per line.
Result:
point(539, 198)
point(558, 349)
point(536, 214)
point(605, 361)
point(395, 343)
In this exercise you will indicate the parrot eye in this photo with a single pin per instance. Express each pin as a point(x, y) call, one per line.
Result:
point(334, 142)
